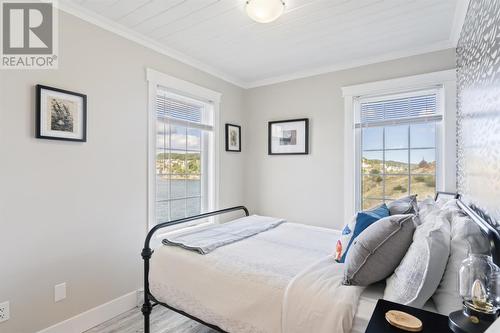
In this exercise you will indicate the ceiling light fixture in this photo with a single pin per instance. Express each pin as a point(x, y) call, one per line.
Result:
point(265, 11)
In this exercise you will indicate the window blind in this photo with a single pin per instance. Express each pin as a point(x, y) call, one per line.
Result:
point(394, 111)
point(182, 111)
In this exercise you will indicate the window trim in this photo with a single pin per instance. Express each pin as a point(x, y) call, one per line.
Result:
point(183, 88)
point(446, 80)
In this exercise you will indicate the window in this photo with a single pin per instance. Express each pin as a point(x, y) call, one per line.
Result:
point(414, 115)
point(398, 145)
point(182, 149)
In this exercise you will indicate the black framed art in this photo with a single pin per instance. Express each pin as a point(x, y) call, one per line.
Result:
point(288, 137)
point(60, 114)
point(233, 138)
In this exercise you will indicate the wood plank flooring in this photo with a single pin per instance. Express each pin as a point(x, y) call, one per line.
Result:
point(163, 320)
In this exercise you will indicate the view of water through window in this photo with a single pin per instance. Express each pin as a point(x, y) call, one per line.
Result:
point(178, 172)
point(177, 208)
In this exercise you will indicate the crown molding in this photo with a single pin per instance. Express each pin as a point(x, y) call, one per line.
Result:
point(352, 64)
point(107, 24)
point(121, 30)
point(458, 20)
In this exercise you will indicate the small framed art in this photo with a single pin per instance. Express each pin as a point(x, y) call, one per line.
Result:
point(60, 114)
point(289, 137)
point(233, 138)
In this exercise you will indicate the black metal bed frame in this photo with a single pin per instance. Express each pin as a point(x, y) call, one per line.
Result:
point(485, 222)
point(149, 300)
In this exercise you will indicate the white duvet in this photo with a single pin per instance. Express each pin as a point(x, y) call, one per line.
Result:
point(316, 301)
point(242, 287)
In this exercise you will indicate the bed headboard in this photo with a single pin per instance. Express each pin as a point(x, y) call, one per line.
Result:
point(488, 226)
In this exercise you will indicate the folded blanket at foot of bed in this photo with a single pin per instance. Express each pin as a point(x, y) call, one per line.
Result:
point(214, 236)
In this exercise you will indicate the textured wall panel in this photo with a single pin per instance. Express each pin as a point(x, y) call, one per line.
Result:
point(478, 119)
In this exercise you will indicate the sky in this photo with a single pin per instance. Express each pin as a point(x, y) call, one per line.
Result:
point(396, 137)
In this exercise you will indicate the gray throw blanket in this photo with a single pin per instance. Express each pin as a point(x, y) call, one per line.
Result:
point(208, 239)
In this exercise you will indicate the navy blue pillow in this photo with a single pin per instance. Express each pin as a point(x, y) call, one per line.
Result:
point(363, 220)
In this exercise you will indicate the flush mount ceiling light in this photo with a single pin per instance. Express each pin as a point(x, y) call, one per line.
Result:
point(265, 11)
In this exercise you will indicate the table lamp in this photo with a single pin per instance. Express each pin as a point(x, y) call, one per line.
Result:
point(479, 280)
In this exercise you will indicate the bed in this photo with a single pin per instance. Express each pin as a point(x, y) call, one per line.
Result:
point(248, 286)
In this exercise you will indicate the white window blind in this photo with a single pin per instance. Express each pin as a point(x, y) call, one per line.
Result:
point(408, 109)
point(183, 110)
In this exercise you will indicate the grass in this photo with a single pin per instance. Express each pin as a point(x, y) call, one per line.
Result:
point(396, 186)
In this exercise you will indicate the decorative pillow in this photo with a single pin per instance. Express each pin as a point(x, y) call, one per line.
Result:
point(466, 238)
point(406, 205)
point(426, 205)
point(419, 273)
point(352, 230)
point(450, 210)
point(378, 250)
point(443, 200)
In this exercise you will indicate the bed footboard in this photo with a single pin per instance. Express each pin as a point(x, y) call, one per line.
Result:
point(149, 299)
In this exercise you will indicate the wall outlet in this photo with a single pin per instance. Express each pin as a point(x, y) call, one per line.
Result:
point(4, 311)
point(59, 292)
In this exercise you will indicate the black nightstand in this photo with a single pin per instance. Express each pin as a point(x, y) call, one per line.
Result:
point(432, 322)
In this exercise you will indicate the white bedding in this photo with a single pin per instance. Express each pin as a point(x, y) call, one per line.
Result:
point(316, 301)
point(241, 287)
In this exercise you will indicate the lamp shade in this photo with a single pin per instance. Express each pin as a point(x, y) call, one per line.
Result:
point(479, 283)
point(264, 11)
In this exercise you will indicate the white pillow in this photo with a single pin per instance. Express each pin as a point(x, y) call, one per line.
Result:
point(450, 209)
point(466, 238)
point(425, 207)
point(419, 273)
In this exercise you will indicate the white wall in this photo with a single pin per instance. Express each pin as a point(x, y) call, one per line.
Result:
point(76, 212)
point(309, 189)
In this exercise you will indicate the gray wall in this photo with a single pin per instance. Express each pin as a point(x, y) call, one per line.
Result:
point(478, 68)
point(76, 212)
point(309, 189)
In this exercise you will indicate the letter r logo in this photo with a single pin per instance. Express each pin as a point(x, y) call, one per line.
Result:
point(27, 28)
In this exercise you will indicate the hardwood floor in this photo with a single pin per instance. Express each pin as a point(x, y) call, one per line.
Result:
point(162, 321)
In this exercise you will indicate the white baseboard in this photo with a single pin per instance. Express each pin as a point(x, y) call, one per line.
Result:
point(140, 297)
point(93, 317)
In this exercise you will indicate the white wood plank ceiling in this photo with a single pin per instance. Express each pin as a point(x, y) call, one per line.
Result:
point(312, 36)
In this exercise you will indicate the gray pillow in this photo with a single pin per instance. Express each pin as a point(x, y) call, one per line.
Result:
point(420, 272)
point(378, 250)
point(406, 205)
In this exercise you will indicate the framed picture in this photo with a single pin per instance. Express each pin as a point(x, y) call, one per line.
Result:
point(233, 137)
point(60, 114)
point(289, 137)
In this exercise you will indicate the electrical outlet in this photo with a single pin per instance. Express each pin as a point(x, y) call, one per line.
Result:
point(4, 311)
point(60, 292)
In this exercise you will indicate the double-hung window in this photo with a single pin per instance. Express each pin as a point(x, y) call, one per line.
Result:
point(398, 146)
point(182, 145)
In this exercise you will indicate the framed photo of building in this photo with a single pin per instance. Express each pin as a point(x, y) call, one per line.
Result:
point(288, 137)
point(233, 138)
point(60, 114)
